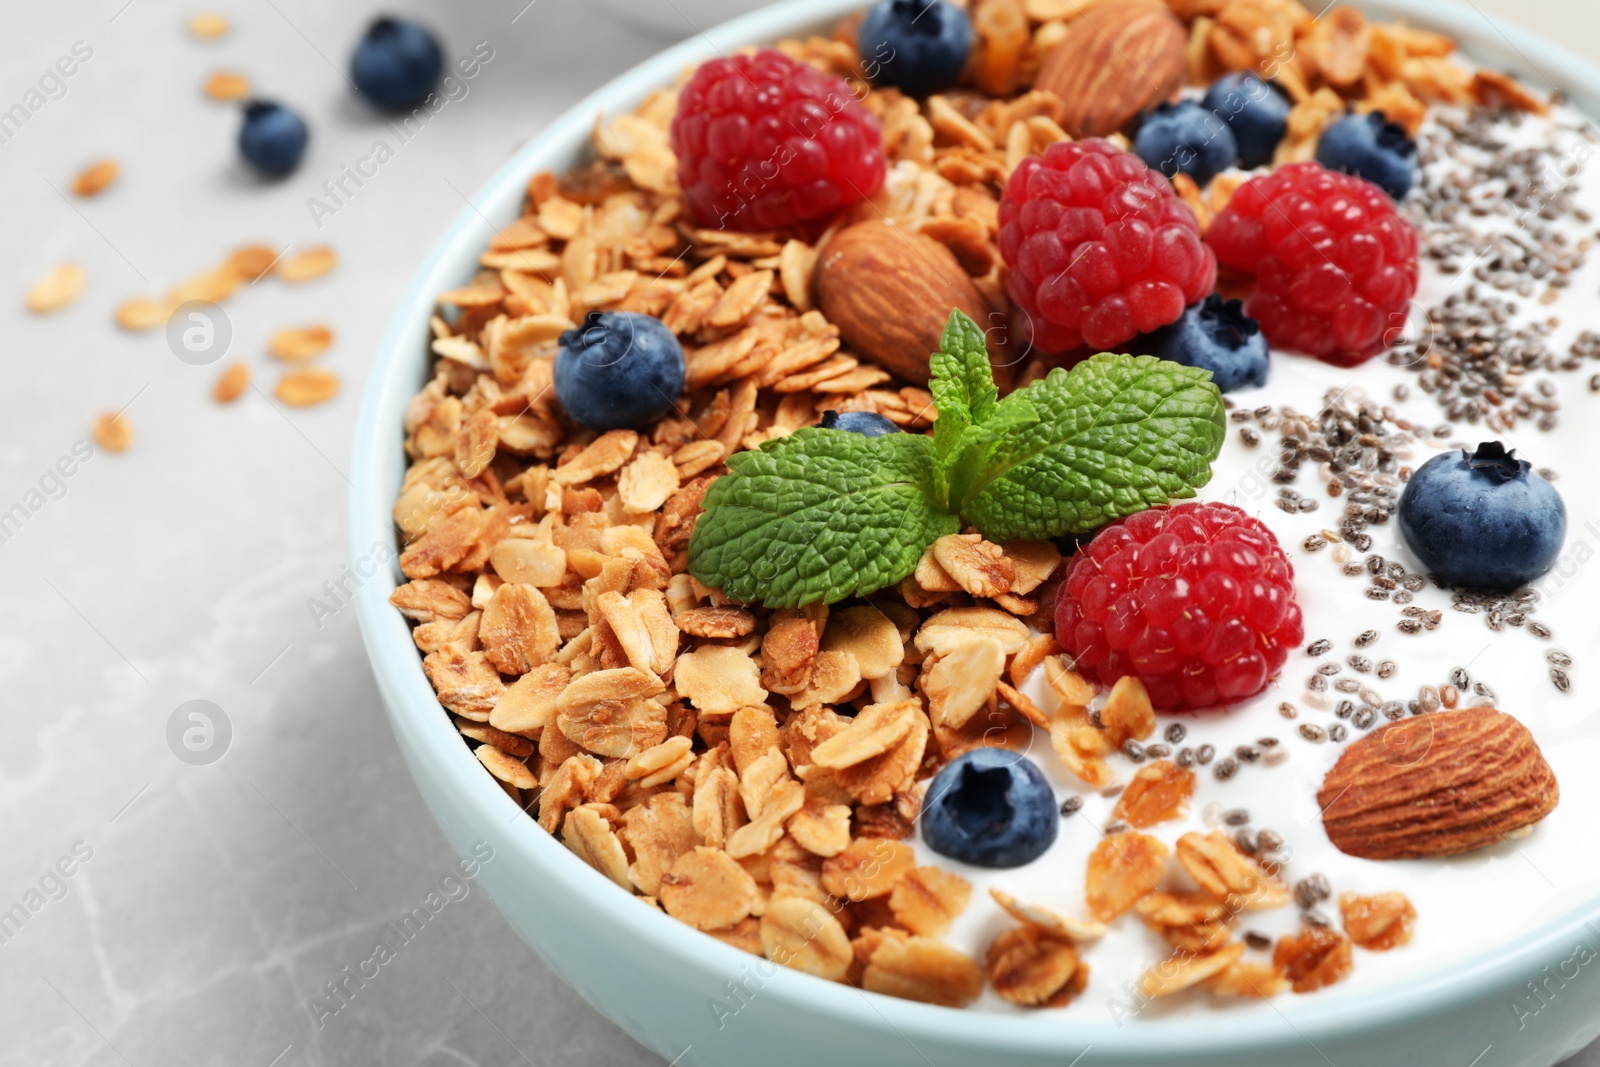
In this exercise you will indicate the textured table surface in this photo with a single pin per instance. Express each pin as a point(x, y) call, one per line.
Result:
point(208, 904)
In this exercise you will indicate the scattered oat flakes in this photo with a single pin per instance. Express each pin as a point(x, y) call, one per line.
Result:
point(249, 262)
point(312, 263)
point(1128, 715)
point(1315, 957)
point(921, 968)
point(1216, 863)
point(95, 178)
point(801, 933)
point(719, 680)
point(1123, 869)
point(57, 290)
point(1187, 969)
point(1032, 967)
point(142, 313)
point(1076, 930)
point(707, 889)
point(226, 85)
point(296, 343)
point(305, 388)
point(208, 25)
point(231, 384)
point(926, 900)
point(113, 432)
point(868, 868)
point(1379, 922)
point(1159, 791)
point(505, 767)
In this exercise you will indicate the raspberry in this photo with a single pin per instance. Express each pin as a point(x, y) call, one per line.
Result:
point(1196, 600)
point(1100, 247)
point(764, 141)
point(1335, 265)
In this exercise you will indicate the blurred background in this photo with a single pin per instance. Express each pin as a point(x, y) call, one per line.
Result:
point(191, 875)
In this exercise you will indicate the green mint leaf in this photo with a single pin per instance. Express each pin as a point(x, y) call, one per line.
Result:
point(1114, 435)
point(961, 383)
point(819, 515)
point(970, 456)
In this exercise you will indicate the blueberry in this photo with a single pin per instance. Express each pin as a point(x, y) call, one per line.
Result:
point(1256, 112)
point(1371, 147)
point(1214, 335)
point(916, 46)
point(865, 423)
point(1482, 519)
point(273, 138)
point(397, 63)
point(1185, 138)
point(618, 370)
point(992, 808)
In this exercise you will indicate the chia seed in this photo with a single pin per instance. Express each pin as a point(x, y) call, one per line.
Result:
point(1561, 679)
point(1361, 664)
point(1133, 750)
point(1071, 805)
point(1319, 648)
point(1204, 754)
point(1288, 710)
point(1312, 890)
point(1247, 842)
point(1236, 816)
point(1557, 658)
point(1337, 732)
point(1247, 753)
point(1365, 638)
point(1387, 668)
point(1157, 751)
point(1313, 732)
point(1329, 669)
point(1226, 768)
point(1175, 732)
point(1257, 941)
point(1185, 757)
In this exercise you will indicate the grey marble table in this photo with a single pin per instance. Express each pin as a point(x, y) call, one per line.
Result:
point(162, 912)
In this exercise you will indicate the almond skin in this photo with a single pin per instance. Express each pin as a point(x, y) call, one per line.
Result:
point(1436, 785)
point(890, 291)
point(1119, 58)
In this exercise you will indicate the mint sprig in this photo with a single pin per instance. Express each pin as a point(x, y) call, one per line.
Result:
point(825, 514)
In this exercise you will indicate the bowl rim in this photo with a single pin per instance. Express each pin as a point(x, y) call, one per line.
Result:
point(376, 464)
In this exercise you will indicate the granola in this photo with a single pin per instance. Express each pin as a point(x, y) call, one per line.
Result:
point(759, 771)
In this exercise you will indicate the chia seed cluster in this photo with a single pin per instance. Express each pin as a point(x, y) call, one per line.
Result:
point(1470, 355)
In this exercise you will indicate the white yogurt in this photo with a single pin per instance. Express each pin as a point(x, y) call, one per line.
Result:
point(1467, 906)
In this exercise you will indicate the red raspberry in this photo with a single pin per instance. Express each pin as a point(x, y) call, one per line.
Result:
point(1196, 600)
point(1100, 247)
point(1335, 265)
point(764, 141)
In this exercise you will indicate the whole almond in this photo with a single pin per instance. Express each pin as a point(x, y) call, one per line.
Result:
point(890, 291)
point(1120, 57)
point(1436, 785)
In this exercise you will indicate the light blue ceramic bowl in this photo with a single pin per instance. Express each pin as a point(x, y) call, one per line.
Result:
point(695, 1000)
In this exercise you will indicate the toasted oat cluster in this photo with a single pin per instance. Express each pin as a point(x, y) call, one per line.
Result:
point(758, 773)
